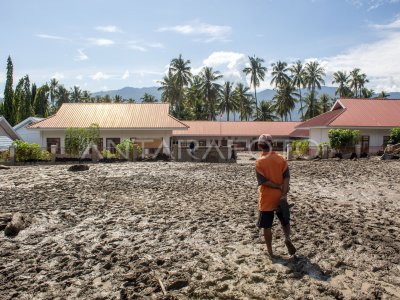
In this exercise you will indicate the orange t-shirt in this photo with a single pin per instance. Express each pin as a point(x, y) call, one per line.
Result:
point(271, 166)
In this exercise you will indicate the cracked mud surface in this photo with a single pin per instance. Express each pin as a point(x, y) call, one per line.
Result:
point(126, 231)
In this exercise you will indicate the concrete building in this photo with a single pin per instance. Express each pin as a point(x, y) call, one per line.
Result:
point(374, 118)
point(243, 135)
point(148, 125)
point(27, 135)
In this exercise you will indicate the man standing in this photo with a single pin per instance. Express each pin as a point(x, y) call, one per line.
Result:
point(273, 179)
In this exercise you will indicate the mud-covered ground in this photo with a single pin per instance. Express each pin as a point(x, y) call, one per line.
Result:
point(128, 231)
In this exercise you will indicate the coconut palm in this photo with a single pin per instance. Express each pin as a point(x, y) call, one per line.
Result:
point(298, 80)
point(76, 94)
point(170, 91)
point(53, 89)
point(278, 73)
point(181, 75)
point(210, 88)
point(243, 99)
point(257, 74)
point(228, 101)
point(357, 82)
point(383, 95)
point(311, 106)
point(285, 100)
point(342, 79)
point(314, 74)
point(266, 111)
point(147, 98)
point(62, 95)
point(86, 97)
point(324, 103)
point(118, 99)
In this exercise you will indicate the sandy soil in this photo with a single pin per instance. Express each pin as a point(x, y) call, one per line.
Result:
point(121, 231)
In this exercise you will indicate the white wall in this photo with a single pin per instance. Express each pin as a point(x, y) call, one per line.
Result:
point(320, 135)
point(29, 135)
point(122, 134)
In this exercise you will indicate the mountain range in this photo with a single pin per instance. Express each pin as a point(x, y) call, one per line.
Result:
point(267, 94)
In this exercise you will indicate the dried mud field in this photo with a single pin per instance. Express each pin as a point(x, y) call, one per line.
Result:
point(165, 230)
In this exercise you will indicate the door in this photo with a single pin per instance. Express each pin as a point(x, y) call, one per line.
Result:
point(365, 144)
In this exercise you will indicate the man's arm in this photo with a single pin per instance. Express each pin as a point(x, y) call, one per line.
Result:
point(263, 181)
point(286, 183)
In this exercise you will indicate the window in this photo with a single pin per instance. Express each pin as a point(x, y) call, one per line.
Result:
point(111, 144)
point(100, 144)
point(53, 141)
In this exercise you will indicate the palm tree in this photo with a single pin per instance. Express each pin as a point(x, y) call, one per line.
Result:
point(62, 95)
point(266, 111)
point(314, 74)
point(383, 95)
point(227, 101)
point(357, 81)
point(366, 93)
point(278, 73)
point(324, 103)
point(170, 91)
point(298, 80)
point(342, 79)
point(285, 100)
point(76, 94)
point(311, 106)
point(181, 75)
point(147, 98)
point(256, 72)
point(244, 101)
point(210, 89)
point(53, 89)
point(86, 96)
point(118, 99)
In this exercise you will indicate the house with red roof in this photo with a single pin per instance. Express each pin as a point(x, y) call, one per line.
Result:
point(374, 118)
point(242, 135)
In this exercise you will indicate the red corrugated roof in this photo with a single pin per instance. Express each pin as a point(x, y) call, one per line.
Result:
point(112, 115)
point(225, 128)
point(359, 113)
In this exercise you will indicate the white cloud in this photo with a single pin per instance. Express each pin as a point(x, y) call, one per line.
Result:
point(101, 42)
point(143, 46)
point(58, 76)
point(391, 26)
point(79, 77)
point(125, 75)
point(372, 4)
point(210, 32)
point(110, 28)
point(100, 76)
point(379, 60)
point(50, 37)
point(139, 48)
point(81, 55)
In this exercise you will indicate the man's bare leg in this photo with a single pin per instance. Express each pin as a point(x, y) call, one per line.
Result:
point(291, 248)
point(268, 241)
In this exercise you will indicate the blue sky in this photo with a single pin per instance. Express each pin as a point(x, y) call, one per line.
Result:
point(100, 45)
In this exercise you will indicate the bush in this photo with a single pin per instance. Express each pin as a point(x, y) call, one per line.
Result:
point(29, 152)
point(340, 139)
point(394, 136)
point(320, 147)
point(4, 155)
point(126, 148)
point(77, 140)
point(301, 147)
point(107, 154)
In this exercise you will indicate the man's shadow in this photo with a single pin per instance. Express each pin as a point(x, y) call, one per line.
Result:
point(300, 266)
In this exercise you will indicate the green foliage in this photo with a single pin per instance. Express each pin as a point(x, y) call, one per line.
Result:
point(4, 155)
point(40, 104)
point(9, 108)
point(107, 154)
point(301, 147)
point(340, 139)
point(394, 136)
point(77, 140)
point(126, 149)
point(29, 152)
